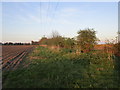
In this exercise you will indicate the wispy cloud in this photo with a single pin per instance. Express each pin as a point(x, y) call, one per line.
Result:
point(34, 18)
point(68, 12)
point(67, 18)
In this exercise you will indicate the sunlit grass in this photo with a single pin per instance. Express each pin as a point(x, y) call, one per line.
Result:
point(64, 69)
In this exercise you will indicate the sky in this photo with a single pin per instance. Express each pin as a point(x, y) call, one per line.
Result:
point(27, 21)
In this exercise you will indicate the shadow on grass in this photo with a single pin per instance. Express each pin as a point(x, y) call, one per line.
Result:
point(117, 67)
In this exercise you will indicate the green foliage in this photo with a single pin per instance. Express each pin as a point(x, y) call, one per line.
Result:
point(66, 50)
point(64, 69)
point(43, 41)
point(58, 41)
point(87, 39)
point(69, 42)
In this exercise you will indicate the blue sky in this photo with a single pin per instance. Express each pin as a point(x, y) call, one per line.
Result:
point(23, 22)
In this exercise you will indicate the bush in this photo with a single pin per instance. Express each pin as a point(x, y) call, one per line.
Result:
point(117, 49)
point(68, 70)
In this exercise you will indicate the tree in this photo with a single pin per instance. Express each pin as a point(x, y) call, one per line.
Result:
point(43, 40)
point(87, 39)
point(69, 42)
point(55, 34)
point(56, 39)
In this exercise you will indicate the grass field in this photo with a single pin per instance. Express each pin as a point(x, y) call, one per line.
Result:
point(45, 68)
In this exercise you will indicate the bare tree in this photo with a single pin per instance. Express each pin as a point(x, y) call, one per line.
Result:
point(55, 34)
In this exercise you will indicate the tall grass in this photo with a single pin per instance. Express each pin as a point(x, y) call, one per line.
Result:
point(64, 69)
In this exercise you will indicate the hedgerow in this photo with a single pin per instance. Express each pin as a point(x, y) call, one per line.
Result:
point(65, 70)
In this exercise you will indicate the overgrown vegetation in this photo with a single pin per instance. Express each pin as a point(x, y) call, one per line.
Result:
point(117, 49)
point(45, 68)
point(85, 40)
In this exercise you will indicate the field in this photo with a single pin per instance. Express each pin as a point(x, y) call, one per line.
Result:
point(13, 55)
point(47, 68)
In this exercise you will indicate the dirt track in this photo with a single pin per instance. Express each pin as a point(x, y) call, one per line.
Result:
point(13, 55)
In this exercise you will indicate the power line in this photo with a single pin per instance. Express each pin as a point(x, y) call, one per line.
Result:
point(48, 13)
point(48, 10)
point(40, 10)
point(47, 21)
point(56, 7)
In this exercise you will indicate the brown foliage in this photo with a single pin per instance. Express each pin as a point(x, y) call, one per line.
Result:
point(117, 49)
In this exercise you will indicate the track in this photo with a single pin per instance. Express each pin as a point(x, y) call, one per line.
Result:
point(13, 55)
